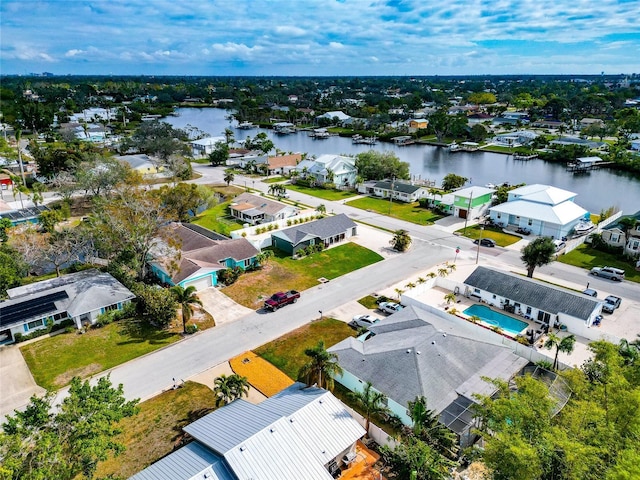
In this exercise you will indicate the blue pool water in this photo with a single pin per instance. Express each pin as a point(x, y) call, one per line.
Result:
point(508, 324)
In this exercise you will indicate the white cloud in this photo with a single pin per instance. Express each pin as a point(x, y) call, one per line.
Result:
point(73, 52)
point(290, 31)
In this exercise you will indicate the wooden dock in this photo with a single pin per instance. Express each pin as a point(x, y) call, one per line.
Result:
point(584, 168)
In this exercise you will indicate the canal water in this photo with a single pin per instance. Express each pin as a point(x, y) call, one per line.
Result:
point(597, 190)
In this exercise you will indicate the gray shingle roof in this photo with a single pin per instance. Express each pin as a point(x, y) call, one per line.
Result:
point(264, 205)
point(408, 357)
point(398, 187)
point(531, 292)
point(323, 228)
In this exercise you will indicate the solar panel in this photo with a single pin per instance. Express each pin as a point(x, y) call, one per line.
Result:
point(18, 312)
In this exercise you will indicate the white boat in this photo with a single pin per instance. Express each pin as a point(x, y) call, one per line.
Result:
point(583, 227)
point(246, 125)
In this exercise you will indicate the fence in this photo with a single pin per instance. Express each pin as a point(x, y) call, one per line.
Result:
point(375, 432)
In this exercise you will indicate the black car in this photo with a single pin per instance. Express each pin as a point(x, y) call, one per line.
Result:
point(486, 242)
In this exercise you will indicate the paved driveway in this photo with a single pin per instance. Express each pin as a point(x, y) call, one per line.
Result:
point(17, 385)
point(222, 308)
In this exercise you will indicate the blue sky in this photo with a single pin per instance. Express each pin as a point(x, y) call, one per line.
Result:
point(319, 37)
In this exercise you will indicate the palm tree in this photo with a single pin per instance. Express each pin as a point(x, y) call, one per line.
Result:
point(228, 177)
point(433, 192)
point(18, 136)
point(371, 402)
point(321, 368)
point(264, 256)
point(421, 280)
point(228, 388)
point(410, 285)
point(474, 319)
point(228, 135)
point(321, 209)
point(450, 298)
point(564, 345)
point(187, 299)
point(250, 166)
point(330, 176)
point(277, 189)
point(401, 240)
point(451, 267)
point(427, 427)
point(443, 272)
point(431, 275)
point(399, 292)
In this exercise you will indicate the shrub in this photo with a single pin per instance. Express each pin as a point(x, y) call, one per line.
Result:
point(244, 234)
point(191, 328)
point(18, 337)
point(289, 223)
point(230, 275)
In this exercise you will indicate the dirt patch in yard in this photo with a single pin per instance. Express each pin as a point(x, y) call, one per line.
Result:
point(82, 372)
point(258, 285)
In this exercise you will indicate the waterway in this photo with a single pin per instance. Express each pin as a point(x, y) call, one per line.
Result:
point(597, 190)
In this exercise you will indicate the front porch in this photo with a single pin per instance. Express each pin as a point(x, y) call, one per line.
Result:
point(363, 467)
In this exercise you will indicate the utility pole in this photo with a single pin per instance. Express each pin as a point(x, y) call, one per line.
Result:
point(391, 194)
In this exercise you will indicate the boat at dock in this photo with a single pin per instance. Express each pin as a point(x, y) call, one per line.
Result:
point(359, 139)
point(583, 227)
point(464, 147)
point(246, 125)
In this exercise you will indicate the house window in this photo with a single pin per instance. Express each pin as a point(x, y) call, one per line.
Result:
point(528, 310)
point(635, 244)
point(60, 316)
point(36, 323)
point(111, 307)
point(499, 215)
point(615, 237)
point(494, 297)
point(476, 290)
point(530, 222)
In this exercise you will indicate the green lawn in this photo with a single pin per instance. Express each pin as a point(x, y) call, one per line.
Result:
point(284, 273)
point(410, 212)
point(55, 361)
point(501, 238)
point(587, 257)
point(154, 432)
point(273, 180)
point(331, 195)
point(217, 219)
point(287, 352)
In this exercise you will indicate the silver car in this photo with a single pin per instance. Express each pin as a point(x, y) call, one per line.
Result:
point(389, 307)
point(364, 321)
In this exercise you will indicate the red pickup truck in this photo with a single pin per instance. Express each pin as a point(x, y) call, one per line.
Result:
point(281, 299)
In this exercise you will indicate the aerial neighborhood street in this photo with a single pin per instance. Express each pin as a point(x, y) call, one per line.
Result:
point(219, 303)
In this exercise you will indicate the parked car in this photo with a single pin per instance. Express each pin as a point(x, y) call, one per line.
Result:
point(611, 303)
point(486, 242)
point(390, 307)
point(559, 244)
point(281, 299)
point(591, 292)
point(611, 273)
point(363, 321)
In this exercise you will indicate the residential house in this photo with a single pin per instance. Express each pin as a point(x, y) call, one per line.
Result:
point(508, 121)
point(341, 116)
point(243, 158)
point(328, 230)
point(5, 181)
point(405, 192)
point(336, 169)
point(205, 146)
point(476, 118)
point(202, 255)
point(515, 139)
point(416, 353)
point(24, 215)
point(552, 124)
point(522, 117)
point(546, 304)
point(591, 122)
point(635, 145)
point(629, 241)
point(471, 202)
point(416, 124)
point(591, 144)
point(254, 209)
point(142, 163)
point(545, 210)
point(80, 296)
point(282, 164)
point(299, 433)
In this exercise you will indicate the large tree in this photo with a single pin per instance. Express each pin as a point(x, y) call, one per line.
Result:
point(561, 344)
point(185, 199)
point(401, 240)
point(451, 181)
point(67, 444)
point(537, 253)
point(12, 269)
point(158, 139)
point(321, 368)
point(371, 402)
point(373, 165)
point(414, 459)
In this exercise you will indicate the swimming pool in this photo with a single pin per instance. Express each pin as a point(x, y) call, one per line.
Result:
point(508, 324)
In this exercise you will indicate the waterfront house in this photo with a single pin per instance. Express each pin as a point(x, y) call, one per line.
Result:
point(615, 235)
point(515, 139)
point(542, 209)
point(202, 255)
point(328, 230)
point(404, 192)
point(255, 209)
point(281, 164)
point(416, 124)
point(471, 202)
point(299, 433)
point(415, 353)
point(80, 296)
point(591, 144)
point(341, 116)
point(142, 163)
point(204, 146)
point(336, 169)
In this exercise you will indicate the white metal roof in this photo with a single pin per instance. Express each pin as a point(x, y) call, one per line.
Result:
point(541, 194)
point(561, 214)
point(209, 141)
point(475, 191)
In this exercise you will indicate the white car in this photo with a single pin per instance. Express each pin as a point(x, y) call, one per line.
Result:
point(390, 307)
point(363, 321)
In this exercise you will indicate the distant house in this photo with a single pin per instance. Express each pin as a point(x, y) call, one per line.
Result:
point(321, 169)
point(545, 210)
point(24, 215)
point(476, 118)
point(203, 255)
point(142, 163)
point(405, 192)
point(242, 158)
point(523, 117)
point(415, 353)
point(328, 230)
point(506, 121)
point(635, 145)
point(80, 296)
point(616, 236)
point(299, 433)
point(545, 304)
point(205, 146)
point(341, 116)
point(416, 124)
point(280, 164)
point(515, 139)
point(591, 122)
point(254, 209)
point(553, 124)
point(591, 144)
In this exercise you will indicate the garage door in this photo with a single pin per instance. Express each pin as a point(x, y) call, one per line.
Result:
point(200, 283)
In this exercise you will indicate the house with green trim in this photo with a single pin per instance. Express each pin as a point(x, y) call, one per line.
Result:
point(404, 192)
point(329, 231)
point(202, 255)
point(470, 202)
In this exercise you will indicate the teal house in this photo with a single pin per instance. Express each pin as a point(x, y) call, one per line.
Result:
point(329, 231)
point(203, 254)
